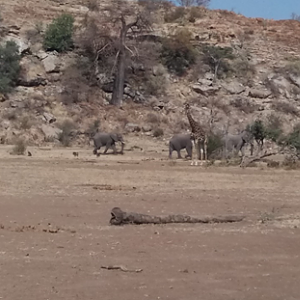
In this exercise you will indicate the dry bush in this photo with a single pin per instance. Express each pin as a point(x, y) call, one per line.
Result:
point(285, 107)
point(155, 85)
point(158, 132)
point(25, 123)
point(249, 31)
point(93, 127)
point(10, 115)
point(291, 162)
point(292, 67)
point(93, 5)
point(67, 127)
point(273, 164)
point(174, 15)
point(243, 69)
point(152, 118)
point(244, 104)
point(19, 147)
point(196, 12)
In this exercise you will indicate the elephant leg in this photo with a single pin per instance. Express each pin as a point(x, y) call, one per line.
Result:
point(170, 151)
point(108, 145)
point(95, 151)
point(178, 154)
point(189, 152)
point(113, 146)
point(205, 149)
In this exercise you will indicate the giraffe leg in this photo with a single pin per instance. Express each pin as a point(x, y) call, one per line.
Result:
point(197, 146)
point(194, 152)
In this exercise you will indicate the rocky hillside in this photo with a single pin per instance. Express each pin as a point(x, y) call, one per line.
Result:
point(52, 96)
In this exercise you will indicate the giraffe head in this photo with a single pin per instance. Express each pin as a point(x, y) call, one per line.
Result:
point(187, 106)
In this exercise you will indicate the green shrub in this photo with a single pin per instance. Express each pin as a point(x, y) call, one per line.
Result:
point(293, 138)
point(258, 130)
point(58, 35)
point(273, 127)
point(217, 59)
point(9, 66)
point(177, 53)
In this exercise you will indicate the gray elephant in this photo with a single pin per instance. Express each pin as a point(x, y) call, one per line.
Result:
point(181, 141)
point(233, 143)
point(108, 140)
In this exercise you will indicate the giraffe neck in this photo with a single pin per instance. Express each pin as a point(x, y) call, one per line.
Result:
point(192, 122)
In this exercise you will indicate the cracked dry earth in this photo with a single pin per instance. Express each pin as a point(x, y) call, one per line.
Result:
point(55, 237)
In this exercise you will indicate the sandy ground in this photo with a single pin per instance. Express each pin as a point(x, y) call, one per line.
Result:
point(55, 232)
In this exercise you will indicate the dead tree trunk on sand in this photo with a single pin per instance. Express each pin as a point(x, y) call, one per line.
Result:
point(119, 217)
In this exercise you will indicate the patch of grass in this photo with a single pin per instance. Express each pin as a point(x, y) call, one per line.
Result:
point(25, 123)
point(214, 146)
point(19, 147)
point(152, 118)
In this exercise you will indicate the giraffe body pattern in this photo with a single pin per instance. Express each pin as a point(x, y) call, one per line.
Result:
point(199, 137)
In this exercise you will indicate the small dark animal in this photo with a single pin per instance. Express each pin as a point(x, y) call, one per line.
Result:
point(76, 154)
point(29, 153)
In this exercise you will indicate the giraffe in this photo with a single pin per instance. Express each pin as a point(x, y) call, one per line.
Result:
point(199, 137)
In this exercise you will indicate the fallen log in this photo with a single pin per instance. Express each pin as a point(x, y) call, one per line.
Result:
point(248, 160)
point(119, 217)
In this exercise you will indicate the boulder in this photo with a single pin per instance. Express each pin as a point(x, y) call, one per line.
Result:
point(262, 94)
point(205, 90)
point(51, 63)
point(23, 46)
point(50, 132)
point(32, 72)
point(131, 127)
point(234, 87)
point(49, 118)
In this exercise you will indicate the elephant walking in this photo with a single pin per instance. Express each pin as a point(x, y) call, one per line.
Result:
point(181, 141)
point(108, 140)
point(233, 143)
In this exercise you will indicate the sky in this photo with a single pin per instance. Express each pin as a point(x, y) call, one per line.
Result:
point(268, 9)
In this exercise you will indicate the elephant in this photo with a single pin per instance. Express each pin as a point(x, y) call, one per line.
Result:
point(237, 142)
point(107, 139)
point(181, 141)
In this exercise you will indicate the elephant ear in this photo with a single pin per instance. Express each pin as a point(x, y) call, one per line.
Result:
point(114, 137)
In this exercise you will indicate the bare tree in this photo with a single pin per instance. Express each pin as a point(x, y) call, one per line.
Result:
point(188, 3)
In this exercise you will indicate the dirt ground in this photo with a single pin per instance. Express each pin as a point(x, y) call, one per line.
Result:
point(55, 232)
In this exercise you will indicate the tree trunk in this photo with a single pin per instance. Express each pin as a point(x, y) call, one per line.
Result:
point(118, 90)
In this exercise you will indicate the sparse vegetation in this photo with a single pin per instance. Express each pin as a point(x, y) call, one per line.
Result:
point(59, 33)
point(25, 123)
point(285, 107)
point(174, 15)
point(244, 104)
point(273, 127)
point(177, 53)
point(214, 146)
point(259, 131)
point(216, 57)
point(293, 138)
point(9, 66)
point(19, 147)
point(67, 128)
point(158, 132)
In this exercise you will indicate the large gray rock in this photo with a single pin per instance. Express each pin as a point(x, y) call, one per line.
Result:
point(23, 45)
point(50, 132)
point(234, 87)
point(32, 72)
point(51, 63)
point(262, 94)
point(205, 90)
